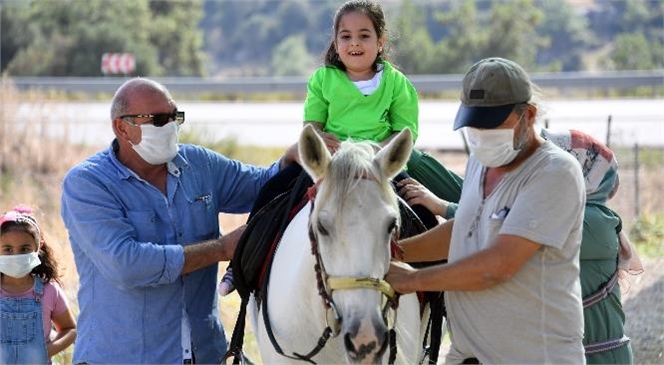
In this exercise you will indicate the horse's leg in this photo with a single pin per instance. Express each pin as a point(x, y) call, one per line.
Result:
point(409, 332)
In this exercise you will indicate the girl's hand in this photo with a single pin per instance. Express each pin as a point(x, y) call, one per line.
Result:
point(331, 141)
point(415, 193)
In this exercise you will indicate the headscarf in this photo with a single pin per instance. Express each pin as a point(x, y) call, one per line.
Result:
point(598, 163)
point(600, 172)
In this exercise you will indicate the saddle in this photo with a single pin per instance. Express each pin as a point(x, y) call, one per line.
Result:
point(259, 240)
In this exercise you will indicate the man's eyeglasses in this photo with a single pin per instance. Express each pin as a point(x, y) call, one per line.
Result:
point(158, 120)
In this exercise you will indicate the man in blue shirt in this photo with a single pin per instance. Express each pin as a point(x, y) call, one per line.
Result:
point(143, 223)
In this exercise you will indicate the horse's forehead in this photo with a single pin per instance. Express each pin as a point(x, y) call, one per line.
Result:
point(367, 196)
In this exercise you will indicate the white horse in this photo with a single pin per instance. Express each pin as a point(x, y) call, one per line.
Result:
point(350, 225)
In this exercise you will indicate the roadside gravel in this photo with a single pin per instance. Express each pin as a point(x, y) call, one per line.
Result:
point(644, 311)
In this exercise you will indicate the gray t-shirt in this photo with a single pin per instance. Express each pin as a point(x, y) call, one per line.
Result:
point(536, 317)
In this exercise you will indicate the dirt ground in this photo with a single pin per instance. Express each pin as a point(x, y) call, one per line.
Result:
point(644, 311)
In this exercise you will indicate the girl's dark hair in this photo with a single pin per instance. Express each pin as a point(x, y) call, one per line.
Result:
point(369, 8)
point(48, 269)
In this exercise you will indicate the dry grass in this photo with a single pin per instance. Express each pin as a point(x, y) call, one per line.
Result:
point(32, 165)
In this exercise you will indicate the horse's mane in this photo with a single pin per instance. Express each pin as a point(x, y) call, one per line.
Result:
point(351, 161)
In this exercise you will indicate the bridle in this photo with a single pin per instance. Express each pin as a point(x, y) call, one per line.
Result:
point(326, 285)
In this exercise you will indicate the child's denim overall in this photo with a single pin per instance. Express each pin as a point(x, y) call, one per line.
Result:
point(21, 329)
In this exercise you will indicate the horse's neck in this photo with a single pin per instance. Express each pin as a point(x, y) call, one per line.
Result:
point(292, 276)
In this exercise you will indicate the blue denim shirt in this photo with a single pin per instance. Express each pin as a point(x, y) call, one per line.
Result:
point(128, 238)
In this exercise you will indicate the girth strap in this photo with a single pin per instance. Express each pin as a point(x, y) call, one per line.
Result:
point(602, 293)
point(595, 348)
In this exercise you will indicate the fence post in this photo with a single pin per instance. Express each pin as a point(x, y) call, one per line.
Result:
point(636, 181)
point(608, 132)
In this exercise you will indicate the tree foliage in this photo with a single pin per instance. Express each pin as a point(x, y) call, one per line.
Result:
point(59, 38)
point(288, 37)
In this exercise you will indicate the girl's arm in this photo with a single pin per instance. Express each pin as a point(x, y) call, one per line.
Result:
point(66, 329)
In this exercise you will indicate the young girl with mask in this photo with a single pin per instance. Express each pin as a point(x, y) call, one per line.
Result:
point(357, 94)
point(31, 299)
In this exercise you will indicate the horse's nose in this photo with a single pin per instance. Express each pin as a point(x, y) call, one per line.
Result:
point(365, 345)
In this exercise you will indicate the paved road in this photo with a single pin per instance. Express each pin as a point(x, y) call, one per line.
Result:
point(279, 124)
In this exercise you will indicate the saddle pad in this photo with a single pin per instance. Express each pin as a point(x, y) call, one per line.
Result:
point(257, 241)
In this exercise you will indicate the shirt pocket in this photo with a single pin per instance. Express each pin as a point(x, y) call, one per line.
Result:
point(203, 215)
point(18, 328)
point(145, 225)
point(495, 223)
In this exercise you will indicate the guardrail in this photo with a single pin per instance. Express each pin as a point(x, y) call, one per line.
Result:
point(297, 84)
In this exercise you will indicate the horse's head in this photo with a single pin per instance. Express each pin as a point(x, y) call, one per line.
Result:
point(354, 218)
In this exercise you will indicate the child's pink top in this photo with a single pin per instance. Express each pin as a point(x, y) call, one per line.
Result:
point(53, 303)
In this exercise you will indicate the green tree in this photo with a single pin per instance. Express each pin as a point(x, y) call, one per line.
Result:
point(632, 52)
point(463, 37)
point(175, 34)
point(511, 32)
point(411, 48)
point(569, 34)
point(290, 57)
point(633, 29)
point(495, 29)
point(68, 38)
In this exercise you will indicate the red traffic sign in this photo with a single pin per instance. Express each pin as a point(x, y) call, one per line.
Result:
point(118, 63)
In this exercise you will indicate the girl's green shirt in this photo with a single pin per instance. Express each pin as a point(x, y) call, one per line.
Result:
point(333, 100)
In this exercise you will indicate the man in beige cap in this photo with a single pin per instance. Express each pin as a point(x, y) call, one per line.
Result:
point(512, 278)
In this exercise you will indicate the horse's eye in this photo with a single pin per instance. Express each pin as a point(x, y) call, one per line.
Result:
point(392, 226)
point(321, 229)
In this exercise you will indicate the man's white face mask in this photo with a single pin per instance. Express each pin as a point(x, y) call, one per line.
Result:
point(18, 266)
point(495, 147)
point(158, 144)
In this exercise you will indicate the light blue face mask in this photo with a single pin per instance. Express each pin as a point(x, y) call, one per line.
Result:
point(18, 266)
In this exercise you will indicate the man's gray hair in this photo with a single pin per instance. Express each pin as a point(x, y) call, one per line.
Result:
point(120, 101)
point(535, 100)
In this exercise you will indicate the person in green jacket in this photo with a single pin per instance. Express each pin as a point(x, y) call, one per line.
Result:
point(604, 337)
point(605, 254)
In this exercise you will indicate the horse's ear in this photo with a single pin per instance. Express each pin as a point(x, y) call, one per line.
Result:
point(314, 155)
point(392, 158)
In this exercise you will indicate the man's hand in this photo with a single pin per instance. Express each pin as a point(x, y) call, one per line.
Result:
point(229, 242)
point(400, 276)
point(291, 155)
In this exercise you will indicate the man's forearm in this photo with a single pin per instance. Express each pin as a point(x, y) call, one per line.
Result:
point(432, 245)
point(210, 252)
